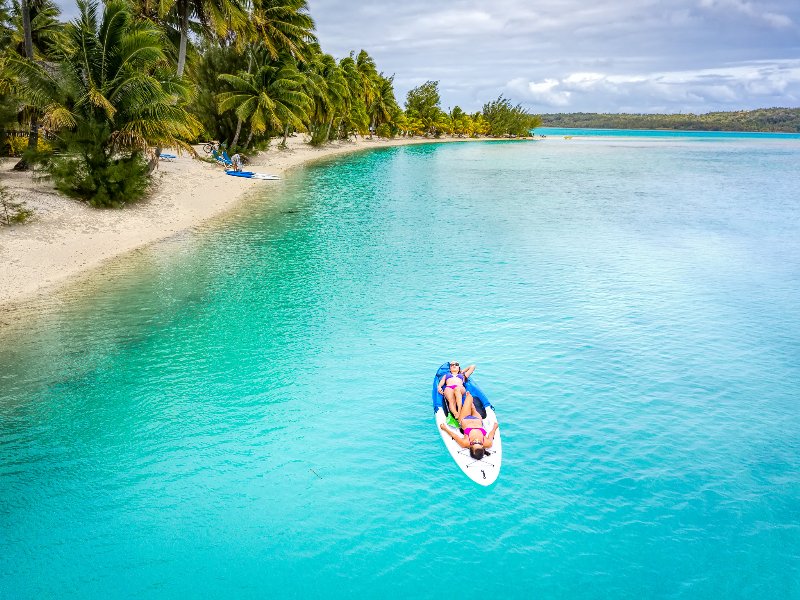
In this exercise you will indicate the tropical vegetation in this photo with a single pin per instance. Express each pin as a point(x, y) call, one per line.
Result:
point(12, 211)
point(94, 100)
point(781, 120)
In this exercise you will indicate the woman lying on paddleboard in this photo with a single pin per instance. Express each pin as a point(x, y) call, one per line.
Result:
point(475, 436)
point(455, 391)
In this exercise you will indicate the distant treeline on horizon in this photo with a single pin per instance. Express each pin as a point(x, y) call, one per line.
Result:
point(779, 120)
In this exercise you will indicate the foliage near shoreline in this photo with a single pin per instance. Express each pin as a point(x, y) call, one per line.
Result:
point(11, 211)
point(785, 120)
point(127, 78)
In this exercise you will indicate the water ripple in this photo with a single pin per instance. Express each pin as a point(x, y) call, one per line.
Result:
point(244, 409)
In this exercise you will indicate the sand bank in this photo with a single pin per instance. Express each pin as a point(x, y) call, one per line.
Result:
point(67, 238)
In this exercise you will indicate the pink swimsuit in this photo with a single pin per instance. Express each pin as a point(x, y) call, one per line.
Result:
point(468, 429)
point(460, 376)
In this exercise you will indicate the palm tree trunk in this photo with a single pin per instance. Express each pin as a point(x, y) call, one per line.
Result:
point(238, 131)
point(33, 136)
point(184, 26)
point(249, 139)
point(285, 134)
point(328, 133)
point(371, 127)
point(26, 27)
point(238, 120)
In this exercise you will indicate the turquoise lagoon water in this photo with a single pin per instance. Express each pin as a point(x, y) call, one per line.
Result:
point(244, 410)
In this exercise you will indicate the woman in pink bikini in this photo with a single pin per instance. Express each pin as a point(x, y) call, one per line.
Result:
point(475, 436)
point(455, 392)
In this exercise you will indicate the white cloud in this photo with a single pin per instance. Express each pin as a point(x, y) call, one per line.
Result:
point(750, 84)
point(572, 55)
point(748, 9)
point(637, 55)
point(544, 92)
point(583, 81)
point(464, 22)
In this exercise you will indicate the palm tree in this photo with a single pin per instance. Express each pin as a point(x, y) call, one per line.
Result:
point(25, 13)
point(354, 117)
point(368, 78)
point(33, 137)
point(37, 34)
point(368, 74)
point(383, 105)
point(338, 92)
point(47, 36)
point(327, 88)
point(272, 97)
point(283, 27)
point(111, 89)
point(275, 28)
point(116, 76)
point(215, 17)
point(8, 103)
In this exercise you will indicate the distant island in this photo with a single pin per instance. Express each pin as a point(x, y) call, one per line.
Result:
point(779, 120)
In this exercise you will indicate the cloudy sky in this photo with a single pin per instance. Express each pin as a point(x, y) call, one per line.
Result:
point(579, 55)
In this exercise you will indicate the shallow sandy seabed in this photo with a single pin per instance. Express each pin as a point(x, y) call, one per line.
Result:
point(66, 238)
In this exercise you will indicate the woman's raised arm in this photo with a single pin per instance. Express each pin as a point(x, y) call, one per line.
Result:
point(458, 439)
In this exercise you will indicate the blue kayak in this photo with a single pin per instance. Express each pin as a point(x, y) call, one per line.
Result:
point(250, 175)
point(480, 399)
point(486, 470)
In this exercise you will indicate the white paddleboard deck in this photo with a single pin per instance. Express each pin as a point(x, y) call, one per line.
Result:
point(484, 471)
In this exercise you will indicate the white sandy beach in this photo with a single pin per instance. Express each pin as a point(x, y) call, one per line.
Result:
point(66, 238)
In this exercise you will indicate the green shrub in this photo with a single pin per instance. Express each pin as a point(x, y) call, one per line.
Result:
point(384, 130)
point(321, 134)
point(17, 146)
point(11, 211)
point(506, 119)
point(208, 84)
point(87, 168)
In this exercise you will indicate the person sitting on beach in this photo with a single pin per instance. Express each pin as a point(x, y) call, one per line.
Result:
point(236, 162)
point(455, 391)
point(475, 437)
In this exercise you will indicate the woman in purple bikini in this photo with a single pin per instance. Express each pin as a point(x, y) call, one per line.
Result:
point(452, 386)
point(475, 436)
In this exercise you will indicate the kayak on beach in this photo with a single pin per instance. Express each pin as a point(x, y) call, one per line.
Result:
point(485, 470)
point(251, 175)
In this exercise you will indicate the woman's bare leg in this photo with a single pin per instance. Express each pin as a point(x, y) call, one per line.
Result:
point(468, 408)
point(474, 411)
point(450, 396)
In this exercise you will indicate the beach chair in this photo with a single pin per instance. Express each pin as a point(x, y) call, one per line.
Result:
point(222, 158)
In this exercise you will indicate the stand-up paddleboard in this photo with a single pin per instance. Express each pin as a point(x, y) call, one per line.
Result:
point(251, 175)
point(486, 470)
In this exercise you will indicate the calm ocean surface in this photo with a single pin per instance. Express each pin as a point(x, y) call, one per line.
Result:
point(244, 410)
point(665, 133)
